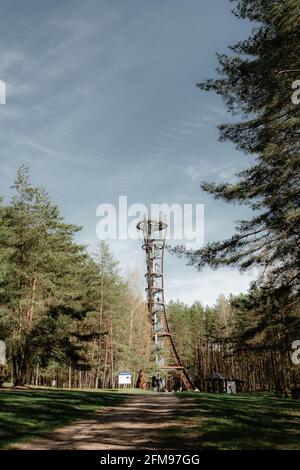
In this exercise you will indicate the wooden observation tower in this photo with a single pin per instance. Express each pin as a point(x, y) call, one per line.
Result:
point(154, 232)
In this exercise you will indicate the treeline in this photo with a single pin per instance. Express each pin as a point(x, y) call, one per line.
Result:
point(238, 339)
point(70, 320)
point(65, 316)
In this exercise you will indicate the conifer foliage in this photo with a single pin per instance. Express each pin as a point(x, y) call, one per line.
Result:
point(64, 314)
point(255, 82)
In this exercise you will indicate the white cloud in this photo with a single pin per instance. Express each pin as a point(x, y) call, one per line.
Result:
point(181, 281)
point(101, 102)
point(207, 285)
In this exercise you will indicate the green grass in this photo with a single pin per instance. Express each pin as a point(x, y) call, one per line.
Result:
point(245, 421)
point(207, 421)
point(25, 414)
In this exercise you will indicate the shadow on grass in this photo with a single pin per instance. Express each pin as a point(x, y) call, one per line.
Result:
point(27, 414)
point(146, 422)
point(241, 421)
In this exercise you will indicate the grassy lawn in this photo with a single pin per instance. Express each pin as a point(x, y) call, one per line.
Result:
point(242, 421)
point(28, 413)
point(207, 421)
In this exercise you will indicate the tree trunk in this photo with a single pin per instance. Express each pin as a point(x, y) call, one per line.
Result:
point(70, 376)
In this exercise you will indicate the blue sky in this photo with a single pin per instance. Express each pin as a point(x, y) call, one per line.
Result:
point(102, 102)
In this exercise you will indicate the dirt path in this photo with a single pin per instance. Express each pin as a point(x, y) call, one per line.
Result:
point(142, 422)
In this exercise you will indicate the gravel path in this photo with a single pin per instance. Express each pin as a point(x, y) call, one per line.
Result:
point(142, 422)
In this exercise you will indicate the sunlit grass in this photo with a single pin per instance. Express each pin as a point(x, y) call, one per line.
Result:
point(244, 421)
point(25, 414)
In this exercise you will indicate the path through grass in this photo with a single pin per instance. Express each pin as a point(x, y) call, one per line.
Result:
point(206, 421)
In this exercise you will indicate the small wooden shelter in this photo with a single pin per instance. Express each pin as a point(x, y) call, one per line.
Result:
point(217, 383)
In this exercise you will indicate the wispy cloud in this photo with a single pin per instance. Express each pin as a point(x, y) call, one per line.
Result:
point(101, 101)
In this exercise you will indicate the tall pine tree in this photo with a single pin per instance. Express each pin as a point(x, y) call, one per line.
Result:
point(255, 82)
point(42, 274)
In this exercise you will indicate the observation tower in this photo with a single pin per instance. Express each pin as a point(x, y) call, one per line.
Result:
point(154, 232)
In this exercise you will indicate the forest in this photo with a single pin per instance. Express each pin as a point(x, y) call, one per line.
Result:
point(65, 315)
point(69, 318)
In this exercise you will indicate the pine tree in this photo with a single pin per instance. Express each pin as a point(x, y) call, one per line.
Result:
point(42, 270)
point(255, 82)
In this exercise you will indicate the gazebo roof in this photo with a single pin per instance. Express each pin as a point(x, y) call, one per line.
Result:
point(216, 376)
